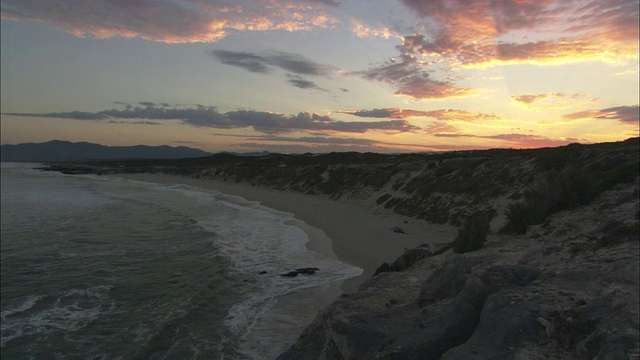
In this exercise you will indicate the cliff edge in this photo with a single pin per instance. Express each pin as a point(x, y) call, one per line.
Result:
point(567, 289)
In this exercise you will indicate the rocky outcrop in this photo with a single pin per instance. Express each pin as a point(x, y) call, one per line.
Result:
point(406, 260)
point(565, 290)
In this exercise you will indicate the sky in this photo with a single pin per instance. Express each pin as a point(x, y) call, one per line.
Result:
point(296, 76)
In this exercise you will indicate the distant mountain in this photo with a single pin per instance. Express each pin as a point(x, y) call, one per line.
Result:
point(58, 150)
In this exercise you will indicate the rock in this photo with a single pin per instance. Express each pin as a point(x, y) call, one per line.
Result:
point(447, 281)
point(406, 260)
point(307, 271)
point(304, 271)
point(398, 230)
point(522, 297)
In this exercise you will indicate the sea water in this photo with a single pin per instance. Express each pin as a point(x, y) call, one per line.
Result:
point(105, 268)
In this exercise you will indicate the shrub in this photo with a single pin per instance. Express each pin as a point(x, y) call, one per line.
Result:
point(561, 190)
point(616, 232)
point(473, 234)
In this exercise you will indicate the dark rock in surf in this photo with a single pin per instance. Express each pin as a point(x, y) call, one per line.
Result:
point(304, 271)
point(307, 271)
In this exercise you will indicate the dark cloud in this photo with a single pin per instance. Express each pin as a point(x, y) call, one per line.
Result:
point(623, 114)
point(443, 115)
point(297, 64)
point(262, 121)
point(147, 103)
point(324, 2)
point(301, 83)
point(320, 140)
point(75, 115)
point(268, 122)
point(409, 79)
point(140, 122)
point(325, 144)
point(389, 113)
point(265, 63)
point(247, 61)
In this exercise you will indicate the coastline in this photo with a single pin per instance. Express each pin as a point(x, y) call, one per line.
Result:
point(349, 231)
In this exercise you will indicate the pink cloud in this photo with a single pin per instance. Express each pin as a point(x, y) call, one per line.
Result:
point(481, 33)
point(179, 21)
point(623, 114)
point(553, 100)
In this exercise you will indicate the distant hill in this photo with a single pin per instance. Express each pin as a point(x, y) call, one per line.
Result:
point(58, 150)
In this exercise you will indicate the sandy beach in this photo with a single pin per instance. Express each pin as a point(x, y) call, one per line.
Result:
point(349, 231)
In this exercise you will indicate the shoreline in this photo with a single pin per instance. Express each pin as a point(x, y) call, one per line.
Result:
point(347, 231)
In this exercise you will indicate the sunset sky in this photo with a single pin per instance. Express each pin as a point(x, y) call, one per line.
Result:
point(320, 75)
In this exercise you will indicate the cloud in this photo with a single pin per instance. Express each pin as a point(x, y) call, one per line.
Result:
point(248, 61)
point(623, 114)
point(295, 64)
point(443, 115)
point(318, 140)
point(441, 128)
point(518, 140)
point(268, 122)
point(262, 121)
point(410, 80)
point(554, 100)
point(328, 144)
point(176, 21)
point(361, 30)
point(301, 83)
point(265, 63)
point(74, 115)
point(481, 33)
point(390, 113)
point(140, 122)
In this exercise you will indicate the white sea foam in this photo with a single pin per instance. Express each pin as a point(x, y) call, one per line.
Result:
point(262, 244)
point(69, 311)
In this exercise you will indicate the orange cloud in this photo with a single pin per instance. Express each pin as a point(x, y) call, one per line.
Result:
point(361, 30)
point(180, 21)
point(477, 33)
point(441, 128)
point(623, 114)
point(552, 100)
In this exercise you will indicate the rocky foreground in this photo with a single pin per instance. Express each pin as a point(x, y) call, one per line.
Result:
point(545, 265)
point(568, 289)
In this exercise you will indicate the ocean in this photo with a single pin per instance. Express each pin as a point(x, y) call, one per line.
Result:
point(106, 268)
